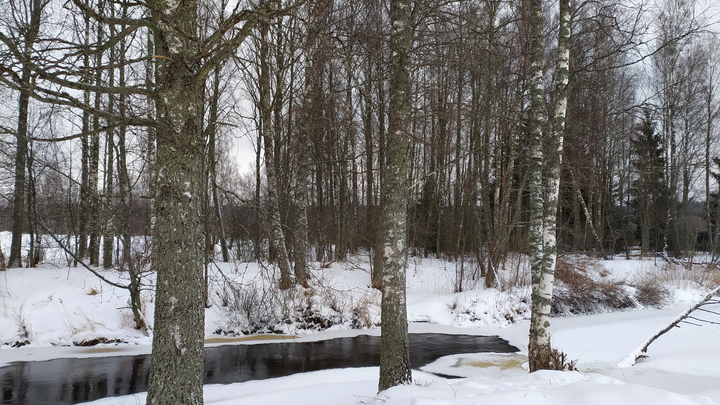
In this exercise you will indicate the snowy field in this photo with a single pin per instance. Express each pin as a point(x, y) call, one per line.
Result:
point(51, 309)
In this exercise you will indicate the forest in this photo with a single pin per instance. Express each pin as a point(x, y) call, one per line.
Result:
point(298, 131)
point(296, 120)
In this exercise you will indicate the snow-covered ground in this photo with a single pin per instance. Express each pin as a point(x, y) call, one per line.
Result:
point(52, 308)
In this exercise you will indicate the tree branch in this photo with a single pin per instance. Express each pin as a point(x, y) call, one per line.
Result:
point(639, 353)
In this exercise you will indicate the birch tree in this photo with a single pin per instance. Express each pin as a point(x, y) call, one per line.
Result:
point(176, 374)
point(545, 159)
point(394, 351)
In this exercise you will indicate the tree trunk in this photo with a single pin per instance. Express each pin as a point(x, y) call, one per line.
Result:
point(177, 368)
point(93, 202)
point(394, 351)
point(546, 155)
point(21, 152)
point(122, 211)
point(277, 238)
point(309, 124)
point(108, 195)
point(212, 164)
point(108, 229)
point(382, 140)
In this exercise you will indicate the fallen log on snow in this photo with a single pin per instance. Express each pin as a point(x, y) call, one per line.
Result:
point(641, 351)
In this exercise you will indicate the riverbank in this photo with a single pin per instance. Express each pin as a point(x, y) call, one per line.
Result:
point(50, 310)
point(682, 369)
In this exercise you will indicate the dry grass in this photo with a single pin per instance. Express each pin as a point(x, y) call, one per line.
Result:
point(651, 292)
point(516, 273)
point(685, 277)
point(583, 285)
point(576, 292)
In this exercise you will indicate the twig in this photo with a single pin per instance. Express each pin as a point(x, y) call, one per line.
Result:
point(707, 310)
point(74, 257)
point(642, 350)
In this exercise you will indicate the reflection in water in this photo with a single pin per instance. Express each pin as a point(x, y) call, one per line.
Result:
point(68, 381)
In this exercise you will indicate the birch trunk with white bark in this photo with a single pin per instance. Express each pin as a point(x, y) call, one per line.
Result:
point(394, 350)
point(546, 156)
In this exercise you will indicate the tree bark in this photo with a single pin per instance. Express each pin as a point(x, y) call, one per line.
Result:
point(21, 149)
point(177, 368)
point(309, 124)
point(277, 238)
point(108, 195)
point(546, 152)
point(93, 202)
point(212, 164)
point(394, 351)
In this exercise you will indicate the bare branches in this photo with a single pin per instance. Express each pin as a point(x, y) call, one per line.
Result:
point(102, 18)
point(70, 253)
point(682, 318)
point(221, 51)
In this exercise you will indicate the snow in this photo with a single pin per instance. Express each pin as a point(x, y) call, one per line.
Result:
point(53, 307)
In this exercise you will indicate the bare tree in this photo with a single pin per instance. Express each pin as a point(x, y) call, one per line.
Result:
point(546, 152)
point(394, 352)
point(28, 20)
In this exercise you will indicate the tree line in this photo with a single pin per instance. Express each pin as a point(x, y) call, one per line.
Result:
point(316, 82)
point(464, 130)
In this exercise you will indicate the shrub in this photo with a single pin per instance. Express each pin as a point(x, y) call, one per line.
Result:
point(577, 293)
point(650, 292)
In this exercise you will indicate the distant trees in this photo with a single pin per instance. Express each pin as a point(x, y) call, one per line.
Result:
point(651, 195)
point(360, 149)
point(28, 19)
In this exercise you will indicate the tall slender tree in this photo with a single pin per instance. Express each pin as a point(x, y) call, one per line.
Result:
point(546, 152)
point(394, 351)
point(29, 34)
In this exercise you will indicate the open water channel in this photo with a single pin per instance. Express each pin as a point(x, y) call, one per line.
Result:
point(74, 380)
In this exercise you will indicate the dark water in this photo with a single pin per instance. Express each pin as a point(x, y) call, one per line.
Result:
point(69, 381)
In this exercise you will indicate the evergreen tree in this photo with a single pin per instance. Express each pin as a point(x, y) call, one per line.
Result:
point(651, 195)
point(714, 211)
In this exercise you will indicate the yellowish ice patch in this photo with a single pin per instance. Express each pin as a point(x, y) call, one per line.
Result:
point(503, 362)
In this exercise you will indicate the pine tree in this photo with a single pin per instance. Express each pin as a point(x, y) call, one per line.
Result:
point(651, 195)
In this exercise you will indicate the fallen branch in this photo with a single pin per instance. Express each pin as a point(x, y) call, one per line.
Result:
point(639, 353)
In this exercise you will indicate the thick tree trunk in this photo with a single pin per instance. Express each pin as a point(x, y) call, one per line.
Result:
point(394, 351)
point(151, 143)
point(539, 341)
point(176, 372)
